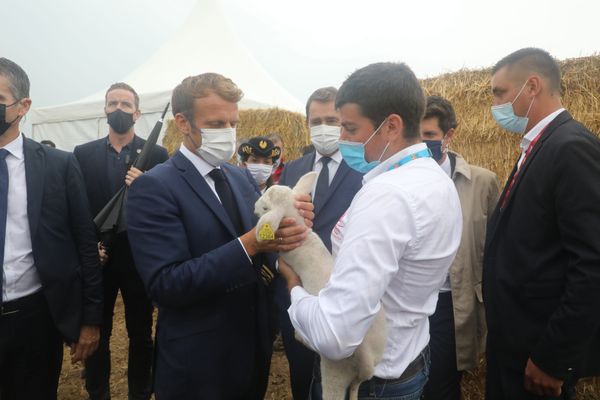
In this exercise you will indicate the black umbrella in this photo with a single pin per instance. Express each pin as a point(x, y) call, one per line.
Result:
point(111, 219)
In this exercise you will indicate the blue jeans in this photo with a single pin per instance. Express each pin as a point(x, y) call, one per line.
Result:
point(404, 389)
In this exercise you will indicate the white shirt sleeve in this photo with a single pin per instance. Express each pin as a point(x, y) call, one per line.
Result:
point(379, 228)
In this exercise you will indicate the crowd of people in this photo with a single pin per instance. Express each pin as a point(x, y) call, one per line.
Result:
point(461, 267)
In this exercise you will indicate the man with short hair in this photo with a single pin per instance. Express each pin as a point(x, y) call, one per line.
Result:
point(541, 275)
point(395, 243)
point(457, 327)
point(336, 186)
point(50, 272)
point(191, 225)
point(107, 165)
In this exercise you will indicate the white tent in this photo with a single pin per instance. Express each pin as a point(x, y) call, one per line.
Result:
point(204, 43)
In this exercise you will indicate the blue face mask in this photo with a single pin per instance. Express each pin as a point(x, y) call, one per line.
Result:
point(354, 153)
point(504, 114)
point(435, 146)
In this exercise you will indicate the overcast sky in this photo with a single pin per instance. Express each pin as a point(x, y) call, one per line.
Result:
point(73, 48)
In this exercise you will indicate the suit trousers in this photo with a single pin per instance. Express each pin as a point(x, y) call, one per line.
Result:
point(444, 378)
point(507, 382)
point(119, 273)
point(31, 351)
point(300, 359)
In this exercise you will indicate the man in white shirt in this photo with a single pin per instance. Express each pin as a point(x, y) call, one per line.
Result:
point(336, 186)
point(50, 270)
point(394, 245)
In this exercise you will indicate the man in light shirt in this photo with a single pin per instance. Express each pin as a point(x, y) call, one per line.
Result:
point(50, 270)
point(394, 245)
point(336, 186)
point(541, 269)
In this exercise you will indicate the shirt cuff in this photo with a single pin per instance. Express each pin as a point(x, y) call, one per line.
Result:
point(245, 251)
point(298, 293)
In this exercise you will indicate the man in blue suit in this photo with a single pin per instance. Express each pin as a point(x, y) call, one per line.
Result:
point(336, 186)
point(49, 266)
point(190, 223)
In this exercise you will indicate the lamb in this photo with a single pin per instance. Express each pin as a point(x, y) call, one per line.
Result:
point(313, 264)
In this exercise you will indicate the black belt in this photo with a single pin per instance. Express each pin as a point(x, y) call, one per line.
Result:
point(27, 303)
point(413, 369)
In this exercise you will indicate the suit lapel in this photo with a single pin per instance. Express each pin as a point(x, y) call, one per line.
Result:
point(500, 213)
point(198, 184)
point(339, 176)
point(35, 163)
point(100, 162)
point(240, 200)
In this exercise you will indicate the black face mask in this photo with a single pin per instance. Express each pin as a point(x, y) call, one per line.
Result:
point(120, 121)
point(435, 146)
point(4, 126)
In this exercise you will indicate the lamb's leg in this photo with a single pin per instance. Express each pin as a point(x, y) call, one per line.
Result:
point(336, 377)
point(353, 392)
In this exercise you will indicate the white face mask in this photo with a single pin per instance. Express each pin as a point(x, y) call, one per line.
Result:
point(325, 138)
point(260, 172)
point(218, 145)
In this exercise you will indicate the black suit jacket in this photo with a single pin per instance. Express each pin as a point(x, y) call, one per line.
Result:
point(541, 274)
point(92, 159)
point(214, 332)
point(63, 238)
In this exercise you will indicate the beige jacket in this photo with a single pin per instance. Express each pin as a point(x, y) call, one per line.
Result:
point(478, 190)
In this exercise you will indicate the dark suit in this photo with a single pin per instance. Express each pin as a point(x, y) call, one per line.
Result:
point(214, 338)
point(66, 258)
point(102, 180)
point(541, 274)
point(345, 184)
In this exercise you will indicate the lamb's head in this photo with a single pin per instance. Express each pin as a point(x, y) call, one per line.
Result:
point(278, 202)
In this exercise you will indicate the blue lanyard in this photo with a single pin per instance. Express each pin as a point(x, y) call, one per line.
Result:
point(419, 154)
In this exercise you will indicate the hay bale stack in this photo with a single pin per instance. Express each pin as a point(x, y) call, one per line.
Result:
point(479, 139)
point(289, 125)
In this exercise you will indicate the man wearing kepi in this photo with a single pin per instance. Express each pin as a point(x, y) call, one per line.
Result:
point(190, 224)
point(336, 186)
point(541, 275)
point(106, 165)
point(457, 327)
point(49, 267)
point(394, 245)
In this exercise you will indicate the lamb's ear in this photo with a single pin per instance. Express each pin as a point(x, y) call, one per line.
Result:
point(268, 224)
point(306, 183)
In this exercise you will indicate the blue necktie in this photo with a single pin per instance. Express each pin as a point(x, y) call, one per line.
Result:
point(3, 212)
point(322, 184)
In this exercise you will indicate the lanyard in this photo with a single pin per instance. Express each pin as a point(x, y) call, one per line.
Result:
point(419, 154)
point(514, 178)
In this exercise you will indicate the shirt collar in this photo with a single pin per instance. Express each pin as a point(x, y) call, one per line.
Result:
point(337, 157)
point(385, 165)
point(201, 165)
point(447, 166)
point(15, 147)
point(528, 138)
point(127, 146)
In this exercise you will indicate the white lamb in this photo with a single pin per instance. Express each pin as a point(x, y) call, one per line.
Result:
point(313, 264)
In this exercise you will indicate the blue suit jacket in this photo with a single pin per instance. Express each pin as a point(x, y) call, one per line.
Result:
point(213, 332)
point(345, 184)
point(63, 240)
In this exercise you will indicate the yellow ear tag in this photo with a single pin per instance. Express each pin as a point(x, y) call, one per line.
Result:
point(266, 233)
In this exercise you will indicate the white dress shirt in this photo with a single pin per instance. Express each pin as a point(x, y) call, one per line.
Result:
point(447, 167)
point(204, 168)
point(20, 276)
point(394, 247)
point(535, 131)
